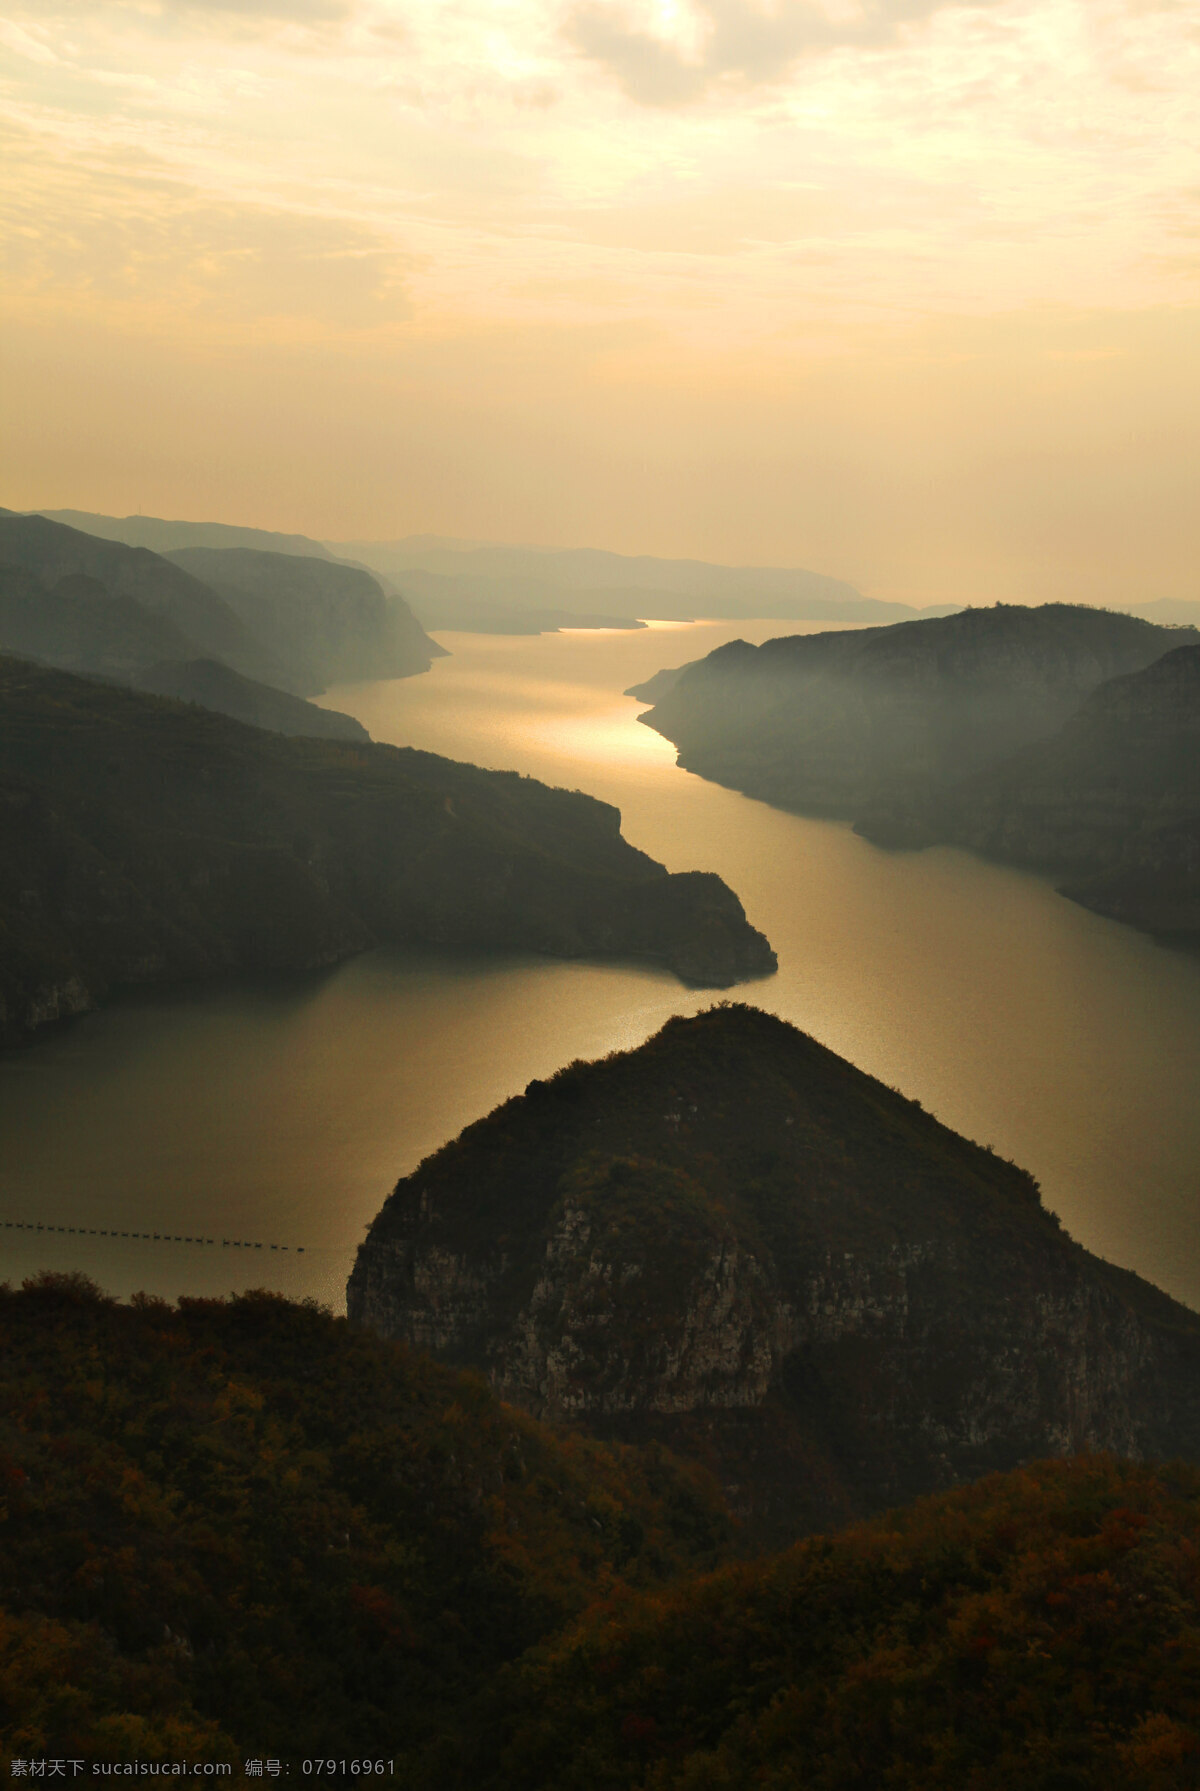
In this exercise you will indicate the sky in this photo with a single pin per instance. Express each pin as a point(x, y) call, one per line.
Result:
point(901, 291)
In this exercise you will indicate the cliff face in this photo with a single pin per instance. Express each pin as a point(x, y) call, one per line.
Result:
point(328, 623)
point(735, 1243)
point(1111, 802)
point(198, 618)
point(144, 840)
point(847, 724)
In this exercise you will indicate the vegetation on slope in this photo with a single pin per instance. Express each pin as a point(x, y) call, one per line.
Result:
point(240, 1528)
point(734, 1241)
point(237, 1527)
point(1040, 1629)
point(142, 839)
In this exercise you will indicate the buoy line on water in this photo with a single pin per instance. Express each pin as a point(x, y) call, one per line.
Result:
point(146, 1237)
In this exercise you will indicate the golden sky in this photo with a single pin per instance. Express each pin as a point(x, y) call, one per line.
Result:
point(902, 291)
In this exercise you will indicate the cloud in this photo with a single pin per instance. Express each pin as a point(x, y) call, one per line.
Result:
point(303, 12)
point(738, 39)
point(123, 231)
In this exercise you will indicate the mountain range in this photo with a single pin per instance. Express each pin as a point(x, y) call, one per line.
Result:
point(492, 587)
point(294, 622)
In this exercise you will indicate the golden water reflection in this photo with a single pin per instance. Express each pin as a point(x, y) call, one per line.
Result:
point(287, 1110)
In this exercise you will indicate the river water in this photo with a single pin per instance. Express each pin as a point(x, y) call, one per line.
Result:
point(281, 1114)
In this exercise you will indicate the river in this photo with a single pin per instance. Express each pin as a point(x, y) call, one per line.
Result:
point(282, 1113)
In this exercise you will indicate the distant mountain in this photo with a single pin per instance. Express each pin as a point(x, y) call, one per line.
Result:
point(735, 1243)
point(204, 623)
point(78, 624)
point(278, 623)
point(163, 536)
point(328, 623)
point(143, 840)
point(435, 573)
point(885, 719)
point(1168, 611)
point(1110, 803)
point(508, 606)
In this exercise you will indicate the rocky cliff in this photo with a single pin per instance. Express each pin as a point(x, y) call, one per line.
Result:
point(326, 622)
point(76, 622)
point(144, 840)
point(1111, 803)
point(732, 1241)
point(888, 718)
point(198, 619)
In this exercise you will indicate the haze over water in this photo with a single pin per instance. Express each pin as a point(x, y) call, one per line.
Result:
point(285, 1112)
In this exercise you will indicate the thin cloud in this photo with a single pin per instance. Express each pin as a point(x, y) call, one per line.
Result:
point(749, 43)
point(301, 12)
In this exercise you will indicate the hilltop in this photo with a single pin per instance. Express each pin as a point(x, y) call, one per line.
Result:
point(734, 1242)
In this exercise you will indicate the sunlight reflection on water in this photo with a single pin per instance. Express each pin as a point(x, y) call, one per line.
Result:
point(287, 1110)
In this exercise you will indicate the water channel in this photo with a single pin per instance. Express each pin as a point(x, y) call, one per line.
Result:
point(282, 1113)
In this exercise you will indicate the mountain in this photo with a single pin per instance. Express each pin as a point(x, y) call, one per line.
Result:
point(327, 623)
point(735, 1243)
point(162, 536)
point(506, 606)
point(78, 624)
point(213, 686)
point(204, 622)
point(145, 840)
point(237, 1529)
point(443, 578)
point(127, 614)
point(886, 719)
point(1111, 802)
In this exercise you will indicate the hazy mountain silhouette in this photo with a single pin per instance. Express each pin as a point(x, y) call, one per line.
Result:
point(887, 718)
point(1110, 803)
point(212, 685)
point(163, 536)
point(441, 576)
point(204, 620)
point(329, 623)
point(145, 840)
